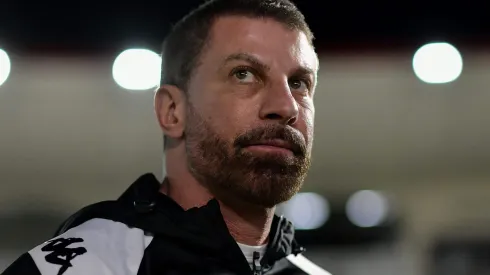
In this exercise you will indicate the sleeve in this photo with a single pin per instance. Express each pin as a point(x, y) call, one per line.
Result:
point(23, 265)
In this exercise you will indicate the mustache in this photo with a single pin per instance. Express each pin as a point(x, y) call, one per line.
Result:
point(273, 132)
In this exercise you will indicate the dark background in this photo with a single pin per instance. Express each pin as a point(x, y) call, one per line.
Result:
point(103, 26)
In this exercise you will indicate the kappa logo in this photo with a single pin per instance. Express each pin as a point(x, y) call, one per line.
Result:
point(61, 254)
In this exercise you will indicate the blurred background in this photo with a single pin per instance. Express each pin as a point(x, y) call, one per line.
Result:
point(399, 183)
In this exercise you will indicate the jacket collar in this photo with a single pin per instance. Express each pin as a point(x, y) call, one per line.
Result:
point(202, 226)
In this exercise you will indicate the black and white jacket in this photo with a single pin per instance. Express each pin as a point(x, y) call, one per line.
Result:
point(146, 233)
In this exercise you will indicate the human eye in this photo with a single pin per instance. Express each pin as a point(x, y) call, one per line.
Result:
point(244, 75)
point(300, 85)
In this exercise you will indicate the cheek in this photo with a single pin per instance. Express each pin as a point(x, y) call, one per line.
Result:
point(308, 115)
point(228, 119)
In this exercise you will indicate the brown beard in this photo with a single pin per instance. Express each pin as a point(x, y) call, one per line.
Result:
point(231, 173)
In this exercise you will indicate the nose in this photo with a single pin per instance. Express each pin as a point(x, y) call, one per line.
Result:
point(279, 104)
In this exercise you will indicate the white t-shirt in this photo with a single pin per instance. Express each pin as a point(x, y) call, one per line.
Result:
point(248, 251)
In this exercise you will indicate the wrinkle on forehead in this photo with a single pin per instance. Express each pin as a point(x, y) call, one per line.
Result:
point(264, 38)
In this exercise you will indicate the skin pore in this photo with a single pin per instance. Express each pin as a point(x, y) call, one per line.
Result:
point(243, 131)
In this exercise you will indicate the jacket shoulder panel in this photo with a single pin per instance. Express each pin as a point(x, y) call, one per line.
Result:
point(306, 265)
point(97, 246)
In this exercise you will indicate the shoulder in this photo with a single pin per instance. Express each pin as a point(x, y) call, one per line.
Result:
point(95, 240)
point(97, 246)
point(105, 238)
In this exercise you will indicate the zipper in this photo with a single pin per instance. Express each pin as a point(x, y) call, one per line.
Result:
point(256, 267)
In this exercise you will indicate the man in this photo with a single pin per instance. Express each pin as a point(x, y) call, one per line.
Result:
point(236, 109)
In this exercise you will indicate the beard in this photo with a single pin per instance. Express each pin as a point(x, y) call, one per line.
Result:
point(231, 173)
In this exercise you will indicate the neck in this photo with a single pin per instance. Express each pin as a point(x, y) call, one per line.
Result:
point(247, 224)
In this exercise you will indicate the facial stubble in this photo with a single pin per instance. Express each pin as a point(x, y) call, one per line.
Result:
point(231, 173)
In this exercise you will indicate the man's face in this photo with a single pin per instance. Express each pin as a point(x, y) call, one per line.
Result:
point(250, 113)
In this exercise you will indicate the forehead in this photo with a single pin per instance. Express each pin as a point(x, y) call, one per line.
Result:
point(268, 40)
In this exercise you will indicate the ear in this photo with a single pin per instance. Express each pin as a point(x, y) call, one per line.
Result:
point(170, 110)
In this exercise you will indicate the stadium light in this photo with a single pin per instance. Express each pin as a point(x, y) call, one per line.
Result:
point(137, 69)
point(437, 63)
point(307, 211)
point(367, 208)
point(5, 66)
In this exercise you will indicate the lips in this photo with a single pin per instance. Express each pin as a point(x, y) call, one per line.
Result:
point(272, 139)
point(276, 143)
point(279, 143)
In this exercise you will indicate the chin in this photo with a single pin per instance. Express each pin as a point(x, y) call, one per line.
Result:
point(267, 192)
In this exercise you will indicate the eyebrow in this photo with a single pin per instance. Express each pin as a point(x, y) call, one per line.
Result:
point(304, 71)
point(247, 58)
